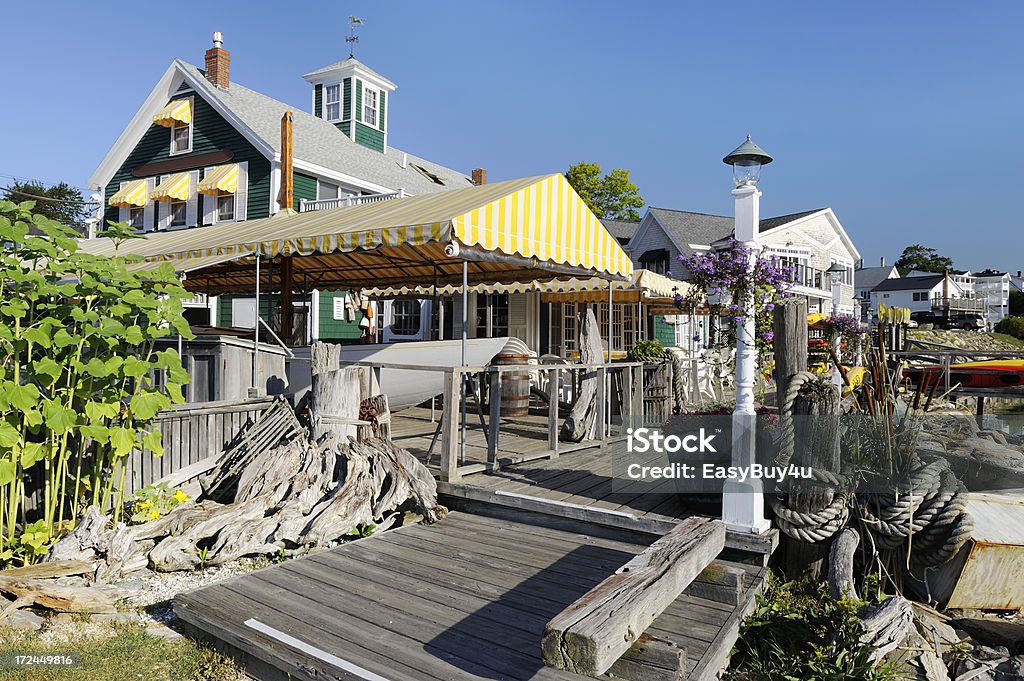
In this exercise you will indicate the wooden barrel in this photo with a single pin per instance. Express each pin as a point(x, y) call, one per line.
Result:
point(515, 385)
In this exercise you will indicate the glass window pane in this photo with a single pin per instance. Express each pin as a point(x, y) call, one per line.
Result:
point(326, 190)
point(226, 207)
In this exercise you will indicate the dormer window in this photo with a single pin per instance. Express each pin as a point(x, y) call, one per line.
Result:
point(332, 102)
point(370, 106)
point(181, 138)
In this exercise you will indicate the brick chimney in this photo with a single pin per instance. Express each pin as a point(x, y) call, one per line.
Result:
point(218, 63)
point(479, 176)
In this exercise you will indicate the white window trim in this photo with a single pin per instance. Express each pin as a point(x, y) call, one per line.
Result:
point(376, 105)
point(341, 100)
point(241, 198)
point(190, 130)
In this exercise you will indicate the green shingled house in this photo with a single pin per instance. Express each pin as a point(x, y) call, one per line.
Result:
point(203, 150)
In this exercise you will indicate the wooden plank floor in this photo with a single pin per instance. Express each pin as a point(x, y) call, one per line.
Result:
point(466, 598)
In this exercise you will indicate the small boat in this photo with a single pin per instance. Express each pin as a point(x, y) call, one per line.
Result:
point(404, 387)
point(995, 373)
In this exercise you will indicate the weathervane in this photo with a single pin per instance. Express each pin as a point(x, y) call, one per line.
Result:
point(352, 38)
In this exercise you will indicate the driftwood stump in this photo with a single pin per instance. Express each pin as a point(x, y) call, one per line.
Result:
point(335, 393)
point(789, 322)
point(840, 564)
point(581, 424)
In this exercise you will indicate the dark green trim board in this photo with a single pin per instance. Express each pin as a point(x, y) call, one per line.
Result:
point(318, 101)
point(381, 110)
point(346, 99)
point(303, 187)
point(210, 133)
point(372, 138)
point(359, 100)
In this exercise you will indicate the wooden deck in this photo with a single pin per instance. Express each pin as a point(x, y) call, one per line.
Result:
point(467, 598)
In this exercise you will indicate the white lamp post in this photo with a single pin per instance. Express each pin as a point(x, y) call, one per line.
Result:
point(743, 502)
point(834, 272)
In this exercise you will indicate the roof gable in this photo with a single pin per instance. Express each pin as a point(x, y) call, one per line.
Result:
point(910, 283)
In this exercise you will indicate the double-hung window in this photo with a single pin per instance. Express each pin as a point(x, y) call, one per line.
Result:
point(405, 317)
point(332, 102)
point(181, 138)
point(369, 106)
point(225, 207)
point(178, 213)
point(137, 217)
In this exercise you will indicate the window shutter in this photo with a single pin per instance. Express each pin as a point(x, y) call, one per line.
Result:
point(149, 215)
point(381, 110)
point(122, 212)
point(163, 210)
point(242, 195)
point(192, 206)
point(359, 100)
point(209, 205)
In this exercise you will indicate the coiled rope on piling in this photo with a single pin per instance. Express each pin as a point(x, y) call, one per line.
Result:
point(926, 511)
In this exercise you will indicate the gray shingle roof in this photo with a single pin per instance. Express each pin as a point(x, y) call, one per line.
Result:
point(351, 61)
point(320, 142)
point(621, 229)
point(687, 228)
point(870, 277)
point(910, 283)
point(778, 221)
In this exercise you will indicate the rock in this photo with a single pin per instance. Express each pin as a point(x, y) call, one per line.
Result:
point(932, 667)
point(24, 620)
point(994, 631)
point(994, 435)
point(1011, 669)
point(160, 630)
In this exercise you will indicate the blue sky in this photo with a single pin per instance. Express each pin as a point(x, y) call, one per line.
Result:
point(903, 117)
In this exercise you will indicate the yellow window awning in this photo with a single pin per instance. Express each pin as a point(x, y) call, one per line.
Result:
point(131, 194)
point(179, 110)
point(175, 188)
point(220, 180)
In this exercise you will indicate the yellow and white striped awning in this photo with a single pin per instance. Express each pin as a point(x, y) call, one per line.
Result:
point(131, 194)
point(533, 229)
point(220, 180)
point(175, 188)
point(178, 110)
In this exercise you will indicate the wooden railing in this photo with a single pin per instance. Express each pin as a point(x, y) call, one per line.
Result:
point(306, 206)
point(619, 406)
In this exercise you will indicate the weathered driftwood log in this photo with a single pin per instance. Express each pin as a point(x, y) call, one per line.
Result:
point(290, 492)
point(123, 554)
point(581, 424)
point(592, 633)
point(840, 564)
point(886, 625)
point(789, 322)
point(376, 411)
point(56, 568)
point(82, 542)
point(56, 597)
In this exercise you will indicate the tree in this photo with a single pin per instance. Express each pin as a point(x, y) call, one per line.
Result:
point(923, 259)
point(1016, 303)
point(59, 202)
point(78, 372)
point(611, 196)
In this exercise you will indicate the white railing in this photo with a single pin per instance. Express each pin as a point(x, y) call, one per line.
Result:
point(347, 201)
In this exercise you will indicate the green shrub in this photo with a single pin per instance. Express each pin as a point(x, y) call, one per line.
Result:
point(646, 350)
point(1011, 326)
point(799, 632)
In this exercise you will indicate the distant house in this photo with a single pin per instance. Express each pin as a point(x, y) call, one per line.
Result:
point(937, 293)
point(992, 287)
point(204, 150)
point(622, 230)
point(866, 279)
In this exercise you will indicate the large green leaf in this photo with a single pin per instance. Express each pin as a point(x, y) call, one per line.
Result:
point(97, 368)
point(96, 433)
point(58, 419)
point(8, 472)
point(32, 452)
point(62, 338)
point(135, 367)
point(98, 411)
point(122, 440)
point(154, 442)
point(133, 335)
point(46, 366)
point(21, 397)
point(9, 435)
point(39, 336)
point(146, 405)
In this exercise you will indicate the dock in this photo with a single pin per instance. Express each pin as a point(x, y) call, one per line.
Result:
point(467, 598)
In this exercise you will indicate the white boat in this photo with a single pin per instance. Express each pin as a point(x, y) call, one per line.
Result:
point(404, 387)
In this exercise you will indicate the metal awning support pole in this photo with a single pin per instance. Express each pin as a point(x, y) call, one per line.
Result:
point(465, 335)
point(256, 331)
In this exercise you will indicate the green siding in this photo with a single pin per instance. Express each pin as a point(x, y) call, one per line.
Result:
point(346, 99)
point(331, 328)
point(318, 101)
point(303, 187)
point(210, 133)
point(666, 333)
point(370, 137)
point(345, 127)
point(382, 112)
point(359, 100)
